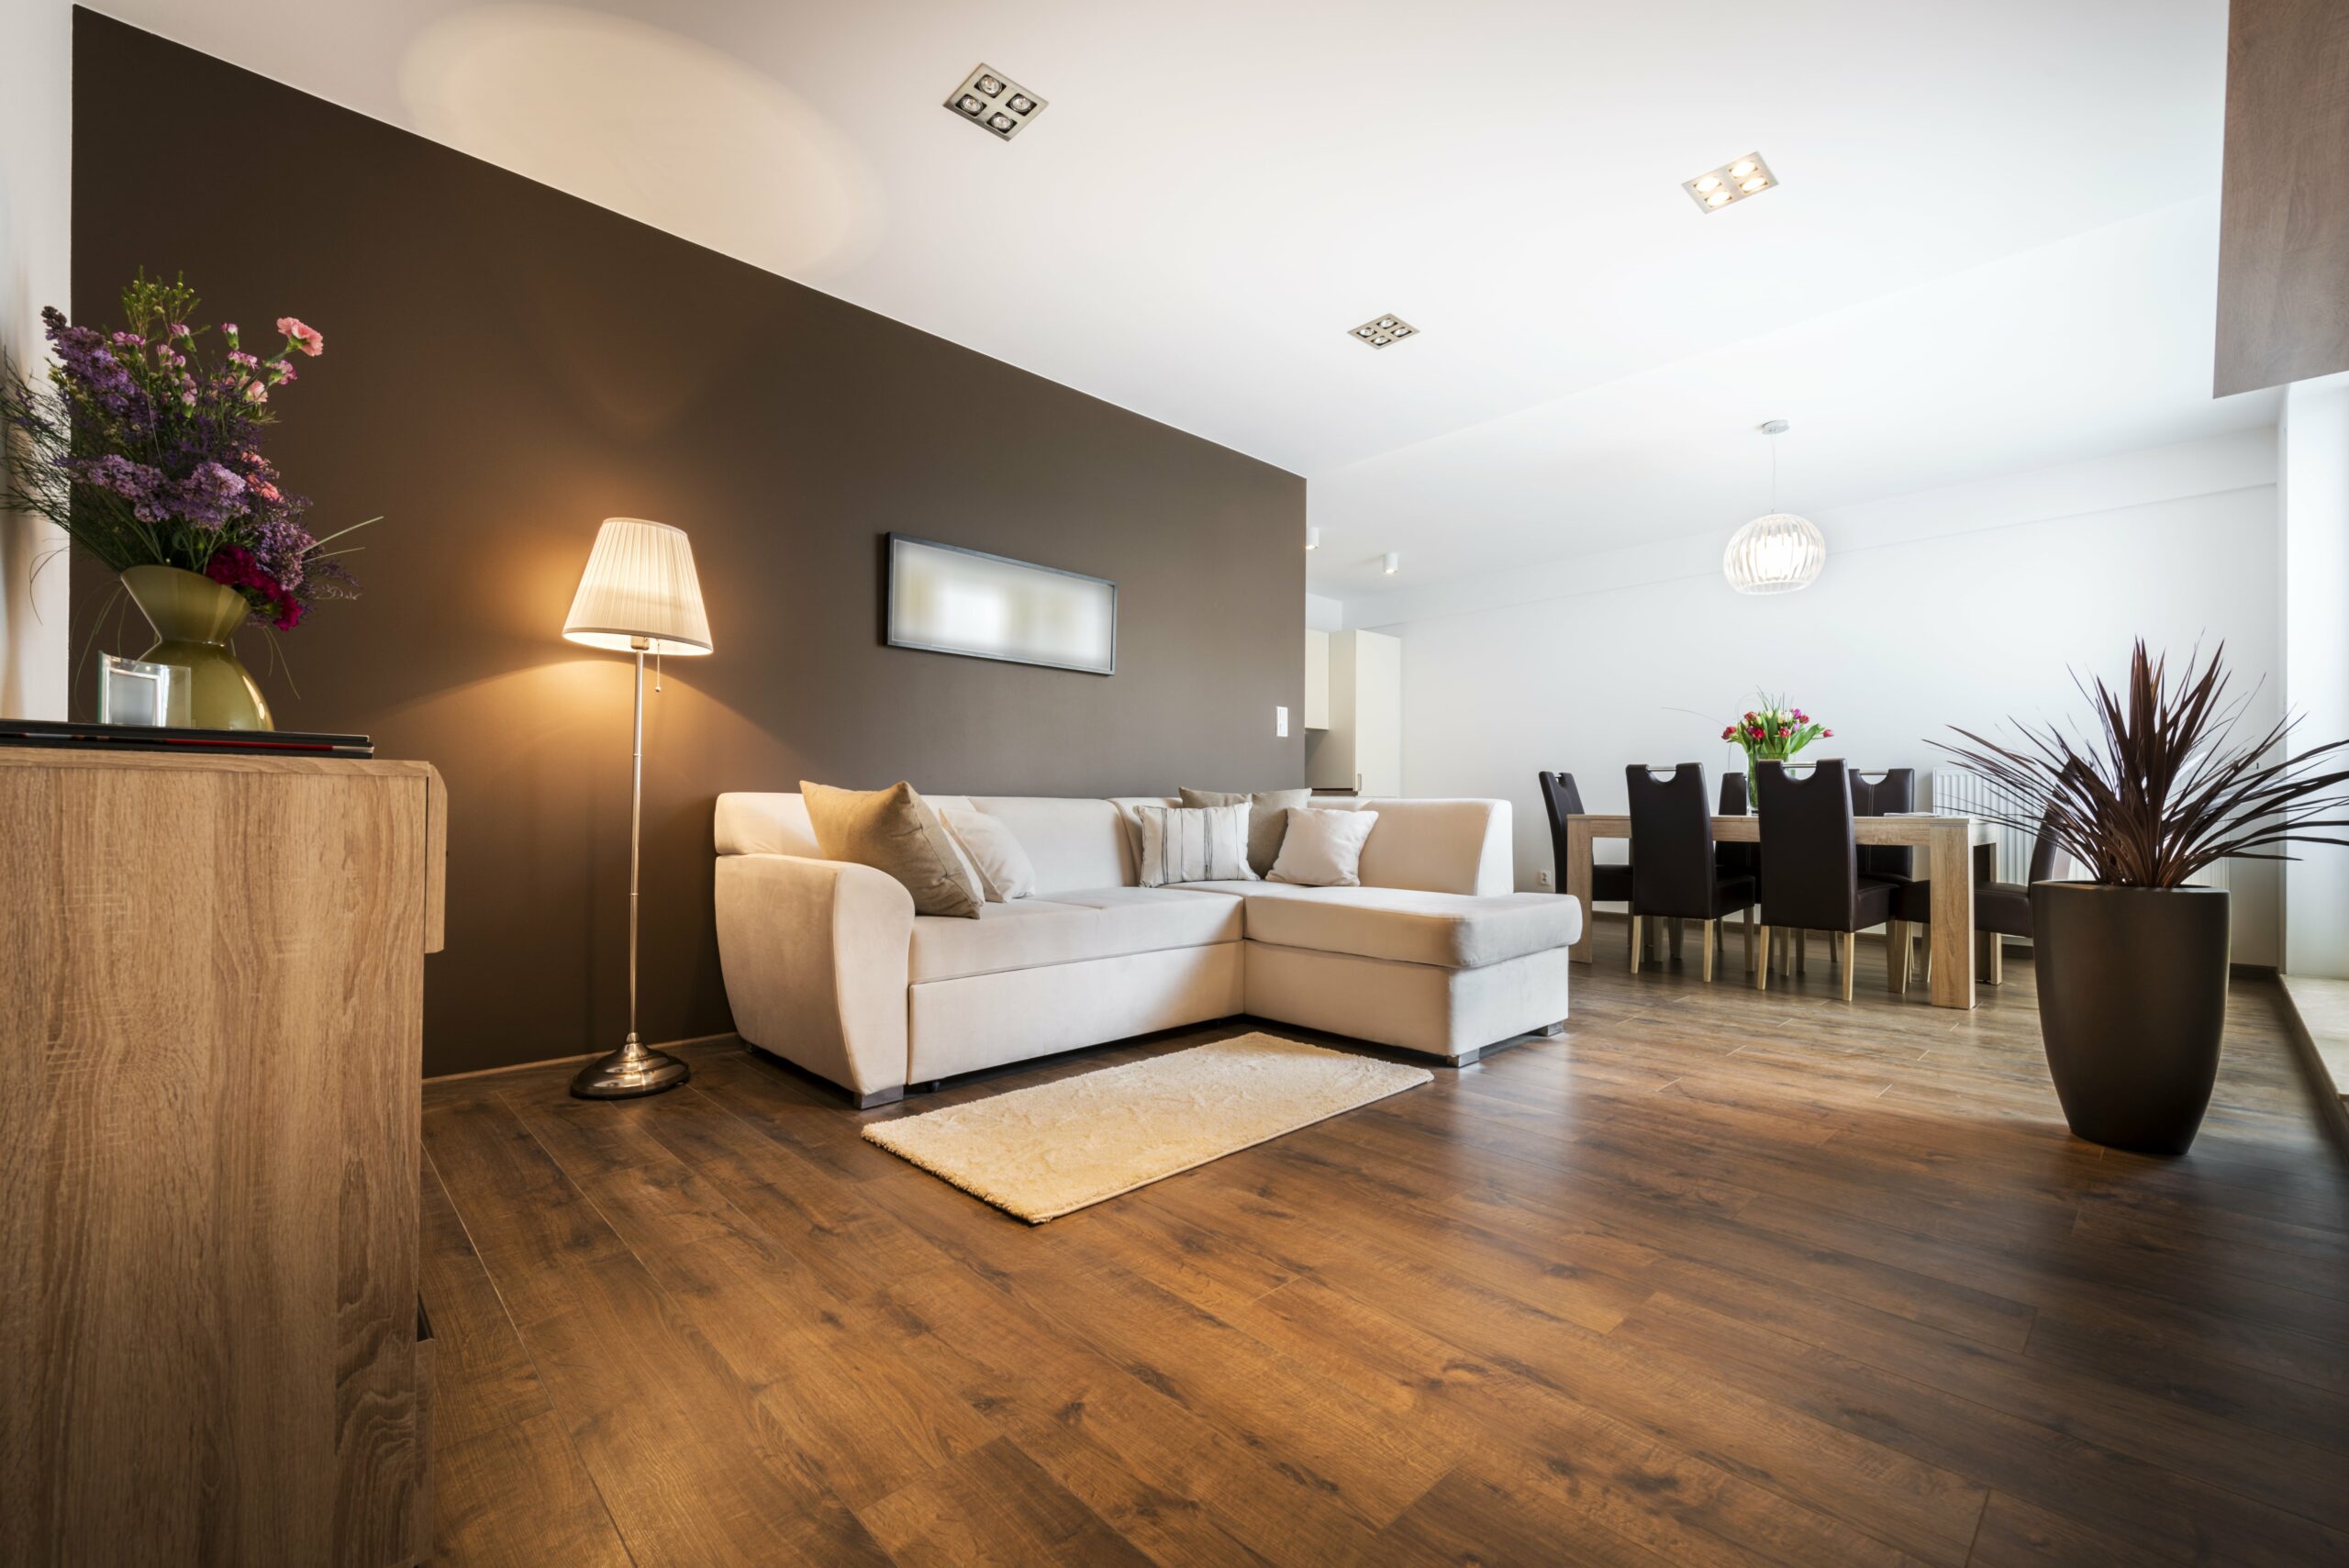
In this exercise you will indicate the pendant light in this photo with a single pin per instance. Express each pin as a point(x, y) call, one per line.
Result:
point(1779, 552)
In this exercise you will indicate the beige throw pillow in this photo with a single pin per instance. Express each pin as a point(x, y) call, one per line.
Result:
point(894, 830)
point(1323, 849)
point(1193, 844)
point(1268, 812)
point(1004, 868)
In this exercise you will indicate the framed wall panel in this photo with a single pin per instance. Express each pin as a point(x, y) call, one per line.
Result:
point(946, 599)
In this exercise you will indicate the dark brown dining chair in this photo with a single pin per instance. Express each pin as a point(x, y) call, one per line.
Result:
point(1560, 799)
point(1877, 792)
point(1811, 862)
point(2001, 909)
point(1674, 873)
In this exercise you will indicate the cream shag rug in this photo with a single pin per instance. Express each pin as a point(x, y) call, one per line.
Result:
point(1057, 1148)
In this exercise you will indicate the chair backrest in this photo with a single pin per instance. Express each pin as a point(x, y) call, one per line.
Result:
point(1892, 789)
point(1560, 799)
point(2044, 850)
point(1672, 841)
point(1811, 862)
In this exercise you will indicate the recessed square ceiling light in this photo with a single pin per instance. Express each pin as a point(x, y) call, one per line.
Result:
point(989, 99)
point(1383, 330)
point(1732, 182)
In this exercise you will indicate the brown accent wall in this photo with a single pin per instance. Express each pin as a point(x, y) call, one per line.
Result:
point(505, 366)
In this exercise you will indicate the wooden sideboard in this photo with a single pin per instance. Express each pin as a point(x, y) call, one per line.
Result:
point(212, 980)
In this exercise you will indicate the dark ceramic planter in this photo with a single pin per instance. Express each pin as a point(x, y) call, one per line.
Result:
point(2132, 1000)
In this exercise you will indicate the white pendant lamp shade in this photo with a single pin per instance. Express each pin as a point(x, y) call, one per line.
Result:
point(1775, 554)
point(639, 583)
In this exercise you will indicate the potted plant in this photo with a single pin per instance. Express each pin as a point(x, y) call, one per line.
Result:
point(2132, 962)
point(1774, 732)
point(144, 449)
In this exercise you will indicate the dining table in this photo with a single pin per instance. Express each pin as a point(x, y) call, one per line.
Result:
point(1948, 842)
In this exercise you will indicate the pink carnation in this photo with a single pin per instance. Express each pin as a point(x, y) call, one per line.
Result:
point(307, 339)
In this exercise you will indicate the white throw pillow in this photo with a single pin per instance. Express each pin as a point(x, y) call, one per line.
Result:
point(1193, 844)
point(1004, 868)
point(1323, 849)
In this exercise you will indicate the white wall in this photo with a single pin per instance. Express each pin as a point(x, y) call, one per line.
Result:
point(36, 82)
point(2314, 504)
point(1960, 606)
point(1323, 614)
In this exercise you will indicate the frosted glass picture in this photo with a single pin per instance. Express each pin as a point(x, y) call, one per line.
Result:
point(948, 600)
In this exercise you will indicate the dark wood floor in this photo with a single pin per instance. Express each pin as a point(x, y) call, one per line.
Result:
point(1716, 1278)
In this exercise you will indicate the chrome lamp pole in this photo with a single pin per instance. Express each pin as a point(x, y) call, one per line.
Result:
point(639, 593)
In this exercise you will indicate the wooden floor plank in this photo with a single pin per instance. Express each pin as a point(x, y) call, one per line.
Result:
point(1708, 1279)
point(688, 1469)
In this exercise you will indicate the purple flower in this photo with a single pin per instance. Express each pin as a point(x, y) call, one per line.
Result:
point(209, 496)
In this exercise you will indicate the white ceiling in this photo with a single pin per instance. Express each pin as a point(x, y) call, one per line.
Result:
point(1219, 189)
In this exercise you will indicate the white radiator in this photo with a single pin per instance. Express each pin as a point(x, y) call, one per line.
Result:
point(1960, 792)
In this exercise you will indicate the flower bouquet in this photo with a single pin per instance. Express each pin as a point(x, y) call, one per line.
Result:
point(1776, 731)
point(144, 449)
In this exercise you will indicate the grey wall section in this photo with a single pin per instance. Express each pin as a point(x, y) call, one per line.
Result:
point(505, 366)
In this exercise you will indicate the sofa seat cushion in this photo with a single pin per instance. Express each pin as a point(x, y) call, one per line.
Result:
point(1450, 930)
point(1068, 927)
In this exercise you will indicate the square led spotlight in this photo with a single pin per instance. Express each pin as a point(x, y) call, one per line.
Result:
point(1732, 182)
point(989, 99)
point(1385, 329)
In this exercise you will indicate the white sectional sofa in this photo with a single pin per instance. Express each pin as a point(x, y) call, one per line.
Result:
point(827, 965)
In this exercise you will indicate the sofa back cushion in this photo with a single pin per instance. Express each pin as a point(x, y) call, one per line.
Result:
point(1439, 846)
point(1433, 846)
point(1073, 844)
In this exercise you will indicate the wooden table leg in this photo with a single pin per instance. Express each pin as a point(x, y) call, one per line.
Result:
point(1951, 867)
point(1578, 873)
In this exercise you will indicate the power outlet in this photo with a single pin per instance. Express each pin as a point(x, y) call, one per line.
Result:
point(1280, 724)
point(1541, 879)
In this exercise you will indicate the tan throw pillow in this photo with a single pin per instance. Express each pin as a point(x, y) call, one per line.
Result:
point(1268, 812)
point(1323, 849)
point(1003, 867)
point(894, 830)
point(1193, 844)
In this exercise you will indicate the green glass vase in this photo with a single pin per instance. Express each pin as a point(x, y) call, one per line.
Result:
point(194, 617)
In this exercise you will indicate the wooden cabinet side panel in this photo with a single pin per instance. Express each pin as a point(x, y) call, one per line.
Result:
point(214, 980)
point(2283, 206)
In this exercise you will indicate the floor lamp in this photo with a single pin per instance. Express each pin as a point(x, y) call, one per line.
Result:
point(639, 595)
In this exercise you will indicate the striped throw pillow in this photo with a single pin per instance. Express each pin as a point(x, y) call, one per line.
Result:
point(1194, 844)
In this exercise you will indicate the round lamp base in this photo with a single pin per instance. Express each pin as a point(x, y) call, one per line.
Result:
point(627, 1073)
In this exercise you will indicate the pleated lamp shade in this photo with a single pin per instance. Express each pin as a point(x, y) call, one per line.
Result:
point(639, 583)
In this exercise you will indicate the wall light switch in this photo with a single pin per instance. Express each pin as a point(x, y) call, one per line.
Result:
point(1280, 723)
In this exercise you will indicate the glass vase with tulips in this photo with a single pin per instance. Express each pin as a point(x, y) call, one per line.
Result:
point(1774, 731)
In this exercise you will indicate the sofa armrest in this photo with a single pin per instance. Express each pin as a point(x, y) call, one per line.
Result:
point(815, 958)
